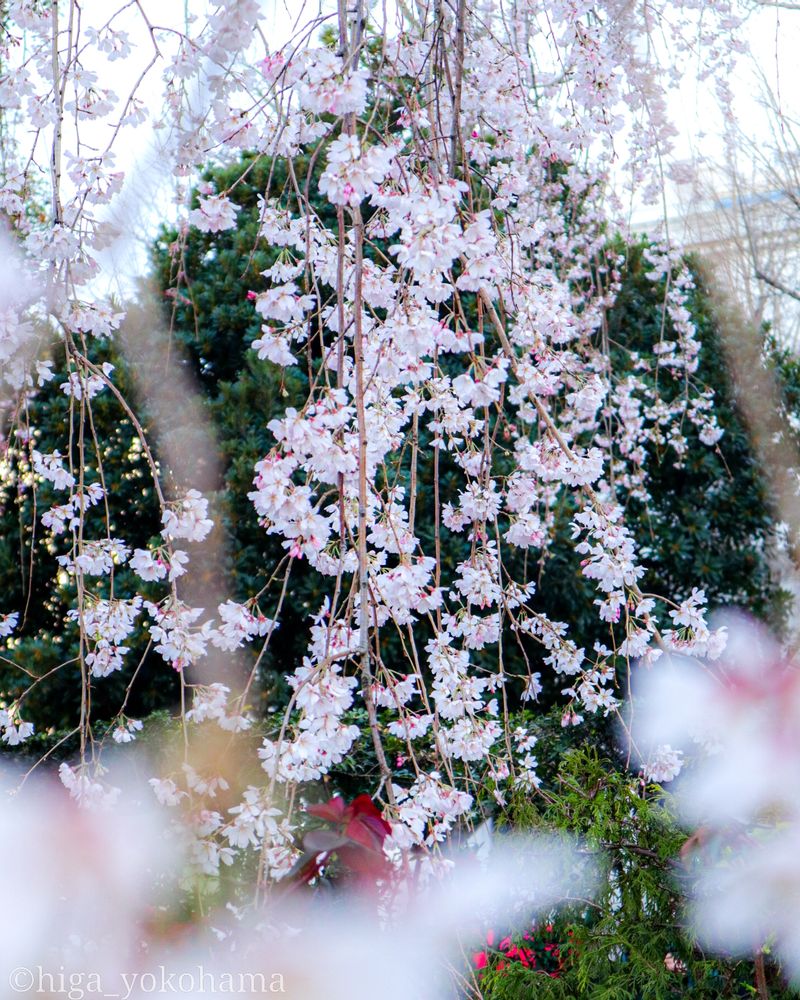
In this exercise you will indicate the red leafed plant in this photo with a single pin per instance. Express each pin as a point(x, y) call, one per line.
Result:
point(355, 835)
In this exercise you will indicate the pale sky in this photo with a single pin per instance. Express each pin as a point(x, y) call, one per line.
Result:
point(773, 37)
point(149, 192)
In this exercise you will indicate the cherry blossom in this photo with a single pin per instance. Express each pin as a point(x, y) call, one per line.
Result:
point(214, 214)
point(439, 276)
point(187, 518)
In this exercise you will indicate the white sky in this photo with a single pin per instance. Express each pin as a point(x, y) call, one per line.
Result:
point(148, 194)
point(148, 197)
point(773, 37)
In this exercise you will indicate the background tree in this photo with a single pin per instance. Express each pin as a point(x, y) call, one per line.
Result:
point(703, 523)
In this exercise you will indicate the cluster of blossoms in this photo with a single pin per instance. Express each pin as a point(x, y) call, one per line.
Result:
point(400, 352)
point(449, 320)
point(108, 624)
point(322, 695)
point(15, 730)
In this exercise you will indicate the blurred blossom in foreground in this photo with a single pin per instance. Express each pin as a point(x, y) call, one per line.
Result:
point(82, 882)
point(17, 290)
point(739, 718)
point(103, 900)
point(737, 725)
point(419, 943)
point(753, 895)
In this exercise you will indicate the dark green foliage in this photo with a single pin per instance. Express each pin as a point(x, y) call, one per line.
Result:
point(46, 646)
point(209, 313)
point(618, 942)
point(705, 525)
point(710, 520)
point(707, 521)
